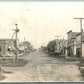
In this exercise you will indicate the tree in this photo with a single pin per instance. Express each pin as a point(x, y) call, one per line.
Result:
point(25, 45)
point(51, 46)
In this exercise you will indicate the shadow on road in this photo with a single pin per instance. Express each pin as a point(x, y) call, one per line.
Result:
point(17, 63)
point(2, 77)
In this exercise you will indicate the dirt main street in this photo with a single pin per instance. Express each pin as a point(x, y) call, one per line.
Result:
point(42, 68)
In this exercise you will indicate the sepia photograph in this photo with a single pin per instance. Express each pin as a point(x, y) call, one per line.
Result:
point(42, 41)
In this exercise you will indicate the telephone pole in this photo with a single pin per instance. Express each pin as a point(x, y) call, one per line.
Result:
point(16, 41)
point(16, 31)
point(57, 37)
point(24, 44)
point(81, 19)
point(58, 41)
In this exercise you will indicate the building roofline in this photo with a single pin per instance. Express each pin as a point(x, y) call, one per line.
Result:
point(78, 34)
point(69, 31)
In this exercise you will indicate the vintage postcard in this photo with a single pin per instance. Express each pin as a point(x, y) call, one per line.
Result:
point(42, 41)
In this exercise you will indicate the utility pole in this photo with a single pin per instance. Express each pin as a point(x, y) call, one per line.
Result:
point(81, 19)
point(63, 46)
point(57, 37)
point(58, 49)
point(16, 41)
point(24, 44)
point(16, 31)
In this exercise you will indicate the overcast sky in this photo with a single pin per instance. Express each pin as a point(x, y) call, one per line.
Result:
point(40, 22)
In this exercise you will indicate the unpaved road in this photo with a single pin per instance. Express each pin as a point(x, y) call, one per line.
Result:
point(42, 68)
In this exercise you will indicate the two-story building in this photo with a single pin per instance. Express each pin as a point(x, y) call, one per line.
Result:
point(64, 47)
point(58, 46)
point(71, 47)
point(79, 44)
point(61, 47)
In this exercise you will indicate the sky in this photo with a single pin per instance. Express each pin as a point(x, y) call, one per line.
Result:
point(40, 22)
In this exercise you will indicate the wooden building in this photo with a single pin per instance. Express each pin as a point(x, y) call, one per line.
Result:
point(6, 45)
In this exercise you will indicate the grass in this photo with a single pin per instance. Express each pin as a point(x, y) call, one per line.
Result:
point(10, 63)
